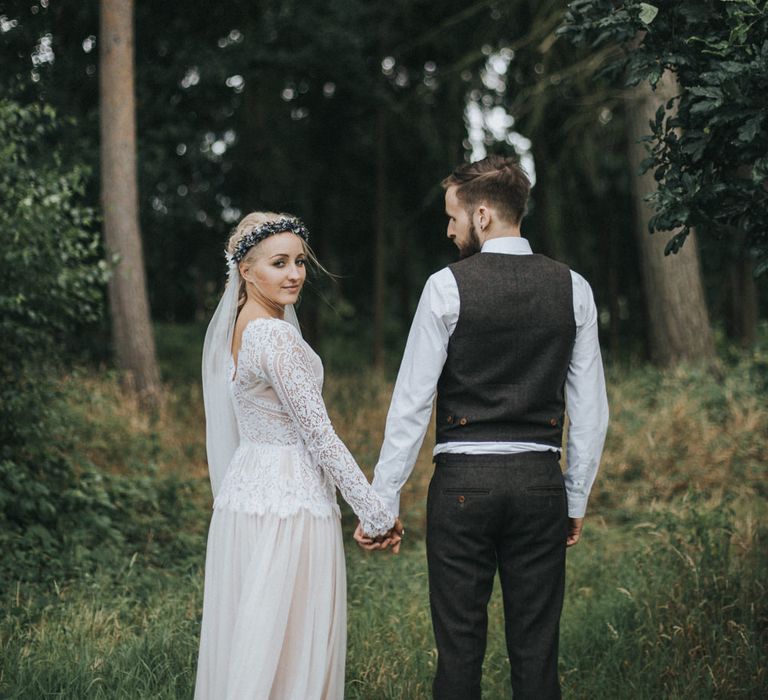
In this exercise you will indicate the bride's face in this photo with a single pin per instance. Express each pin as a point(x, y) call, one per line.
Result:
point(278, 268)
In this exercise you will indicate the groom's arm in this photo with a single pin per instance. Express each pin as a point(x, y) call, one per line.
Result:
point(421, 366)
point(587, 406)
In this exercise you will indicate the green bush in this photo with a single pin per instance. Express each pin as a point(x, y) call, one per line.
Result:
point(51, 280)
point(58, 512)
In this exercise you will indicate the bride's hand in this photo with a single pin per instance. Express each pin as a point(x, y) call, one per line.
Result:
point(390, 539)
point(366, 542)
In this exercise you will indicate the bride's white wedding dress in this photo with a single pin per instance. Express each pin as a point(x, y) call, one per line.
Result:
point(274, 611)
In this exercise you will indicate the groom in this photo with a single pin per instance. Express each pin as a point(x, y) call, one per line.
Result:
point(508, 340)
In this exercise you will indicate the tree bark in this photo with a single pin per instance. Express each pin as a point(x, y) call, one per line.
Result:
point(129, 305)
point(614, 337)
point(678, 320)
point(742, 301)
point(380, 264)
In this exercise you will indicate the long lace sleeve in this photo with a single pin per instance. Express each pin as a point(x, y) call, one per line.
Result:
point(287, 367)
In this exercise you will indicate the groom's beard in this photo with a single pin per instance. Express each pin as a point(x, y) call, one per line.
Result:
point(472, 244)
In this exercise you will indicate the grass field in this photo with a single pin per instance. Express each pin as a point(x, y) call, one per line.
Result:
point(652, 611)
point(665, 594)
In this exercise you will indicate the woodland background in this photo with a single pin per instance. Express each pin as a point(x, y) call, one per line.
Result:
point(630, 117)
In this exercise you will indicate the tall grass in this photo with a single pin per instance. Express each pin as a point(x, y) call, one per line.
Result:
point(681, 613)
point(677, 609)
point(133, 635)
point(685, 428)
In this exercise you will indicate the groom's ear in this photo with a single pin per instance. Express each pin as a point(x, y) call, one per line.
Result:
point(482, 216)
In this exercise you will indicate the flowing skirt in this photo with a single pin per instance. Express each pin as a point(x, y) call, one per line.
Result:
point(274, 612)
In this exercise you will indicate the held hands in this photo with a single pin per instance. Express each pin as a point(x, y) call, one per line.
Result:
point(389, 539)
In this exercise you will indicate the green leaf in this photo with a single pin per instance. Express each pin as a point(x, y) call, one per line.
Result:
point(648, 12)
point(655, 75)
point(714, 93)
point(704, 106)
point(760, 170)
point(676, 242)
point(750, 128)
point(645, 164)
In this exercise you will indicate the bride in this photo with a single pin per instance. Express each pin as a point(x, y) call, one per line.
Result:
point(274, 609)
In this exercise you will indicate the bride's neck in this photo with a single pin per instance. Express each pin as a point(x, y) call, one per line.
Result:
point(258, 305)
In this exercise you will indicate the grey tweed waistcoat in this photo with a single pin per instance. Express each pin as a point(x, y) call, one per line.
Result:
point(508, 357)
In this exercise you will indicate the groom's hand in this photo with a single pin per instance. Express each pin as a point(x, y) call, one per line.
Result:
point(575, 526)
point(395, 536)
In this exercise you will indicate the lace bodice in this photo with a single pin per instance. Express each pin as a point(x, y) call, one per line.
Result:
point(290, 456)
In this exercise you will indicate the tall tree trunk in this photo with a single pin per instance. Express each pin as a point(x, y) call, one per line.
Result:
point(678, 319)
point(129, 305)
point(614, 337)
point(380, 262)
point(742, 300)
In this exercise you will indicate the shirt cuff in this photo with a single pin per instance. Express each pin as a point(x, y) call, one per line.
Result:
point(577, 505)
point(391, 498)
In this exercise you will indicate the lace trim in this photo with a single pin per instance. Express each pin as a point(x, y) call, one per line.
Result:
point(277, 479)
point(284, 510)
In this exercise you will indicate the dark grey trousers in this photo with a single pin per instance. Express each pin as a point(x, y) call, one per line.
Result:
point(489, 512)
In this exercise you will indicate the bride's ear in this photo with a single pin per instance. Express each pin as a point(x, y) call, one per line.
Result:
point(244, 267)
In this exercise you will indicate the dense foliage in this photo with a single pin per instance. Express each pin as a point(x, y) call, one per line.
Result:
point(708, 144)
point(52, 276)
point(58, 512)
point(284, 104)
point(51, 282)
point(272, 104)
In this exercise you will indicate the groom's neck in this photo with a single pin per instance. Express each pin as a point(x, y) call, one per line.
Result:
point(498, 231)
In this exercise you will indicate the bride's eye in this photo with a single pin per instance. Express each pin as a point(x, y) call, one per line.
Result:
point(301, 261)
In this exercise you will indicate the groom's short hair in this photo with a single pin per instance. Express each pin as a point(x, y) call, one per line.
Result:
point(498, 181)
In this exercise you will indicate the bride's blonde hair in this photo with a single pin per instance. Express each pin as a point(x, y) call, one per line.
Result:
point(246, 225)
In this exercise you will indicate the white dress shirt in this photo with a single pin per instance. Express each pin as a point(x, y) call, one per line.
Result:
point(421, 367)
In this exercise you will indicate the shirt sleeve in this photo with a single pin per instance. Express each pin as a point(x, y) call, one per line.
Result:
point(287, 367)
point(411, 407)
point(586, 402)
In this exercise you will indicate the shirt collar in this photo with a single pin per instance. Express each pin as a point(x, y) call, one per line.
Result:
point(511, 245)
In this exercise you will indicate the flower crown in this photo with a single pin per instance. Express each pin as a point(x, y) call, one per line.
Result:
point(259, 233)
